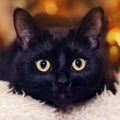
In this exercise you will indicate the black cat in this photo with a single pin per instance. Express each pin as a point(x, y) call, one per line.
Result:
point(59, 66)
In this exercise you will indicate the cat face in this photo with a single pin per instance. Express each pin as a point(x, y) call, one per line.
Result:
point(60, 69)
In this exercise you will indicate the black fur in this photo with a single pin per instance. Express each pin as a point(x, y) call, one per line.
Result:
point(61, 85)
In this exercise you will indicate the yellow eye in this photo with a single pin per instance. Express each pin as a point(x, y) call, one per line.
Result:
point(79, 64)
point(43, 65)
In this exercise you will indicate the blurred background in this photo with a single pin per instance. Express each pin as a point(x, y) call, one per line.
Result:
point(63, 12)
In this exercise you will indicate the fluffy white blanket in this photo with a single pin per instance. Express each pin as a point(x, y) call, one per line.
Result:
point(16, 107)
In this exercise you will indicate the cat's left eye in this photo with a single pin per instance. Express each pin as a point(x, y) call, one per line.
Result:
point(79, 64)
point(43, 65)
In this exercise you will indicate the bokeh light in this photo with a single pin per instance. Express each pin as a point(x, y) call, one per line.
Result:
point(114, 50)
point(117, 39)
point(113, 36)
point(113, 39)
point(114, 54)
point(50, 7)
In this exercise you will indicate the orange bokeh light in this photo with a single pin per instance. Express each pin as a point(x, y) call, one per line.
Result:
point(114, 54)
point(117, 39)
point(50, 7)
point(113, 36)
point(114, 50)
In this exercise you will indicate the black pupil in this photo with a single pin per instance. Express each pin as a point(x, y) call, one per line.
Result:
point(43, 63)
point(78, 62)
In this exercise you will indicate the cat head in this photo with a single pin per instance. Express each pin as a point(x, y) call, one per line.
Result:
point(61, 69)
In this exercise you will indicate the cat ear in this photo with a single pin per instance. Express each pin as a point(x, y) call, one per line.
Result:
point(25, 27)
point(91, 26)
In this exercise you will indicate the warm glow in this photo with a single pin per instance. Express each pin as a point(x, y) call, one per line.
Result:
point(113, 36)
point(114, 51)
point(113, 3)
point(117, 39)
point(50, 8)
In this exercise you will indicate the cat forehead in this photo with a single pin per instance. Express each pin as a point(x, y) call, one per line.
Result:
point(58, 33)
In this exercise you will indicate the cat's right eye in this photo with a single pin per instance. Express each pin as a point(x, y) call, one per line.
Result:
point(79, 64)
point(43, 65)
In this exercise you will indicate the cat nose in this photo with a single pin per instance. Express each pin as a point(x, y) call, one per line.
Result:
point(62, 82)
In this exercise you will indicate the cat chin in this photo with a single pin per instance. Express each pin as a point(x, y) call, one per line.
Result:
point(62, 101)
point(58, 99)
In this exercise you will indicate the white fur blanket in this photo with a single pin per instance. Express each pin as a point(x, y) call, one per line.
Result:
point(16, 107)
